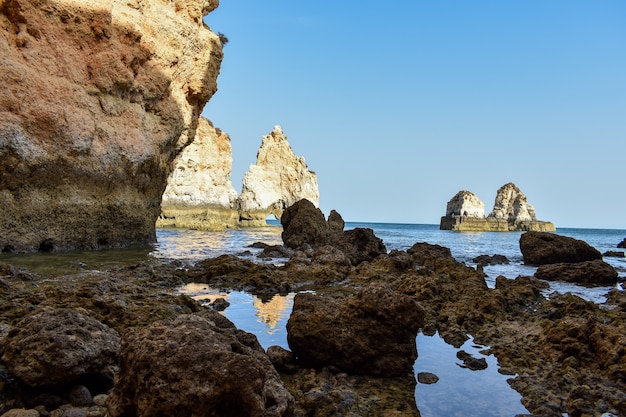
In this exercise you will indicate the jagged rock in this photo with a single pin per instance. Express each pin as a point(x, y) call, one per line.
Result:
point(511, 212)
point(58, 347)
point(465, 204)
point(622, 244)
point(548, 248)
point(191, 366)
point(512, 205)
point(495, 259)
point(277, 181)
point(99, 96)
point(360, 245)
point(421, 251)
point(199, 193)
point(596, 272)
point(304, 223)
point(470, 362)
point(372, 333)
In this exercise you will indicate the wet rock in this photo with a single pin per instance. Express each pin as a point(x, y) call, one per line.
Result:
point(360, 245)
point(622, 244)
point(495, 259)
point(303, 223)
point(372, 332)
point(275, 251)
point(470, 362)
point(540, 248)
point(177, 367)
point(613, 254)
point(595, 272)
point(220, 304)
point(427, 378)
point(56, 347)
point(422, 250)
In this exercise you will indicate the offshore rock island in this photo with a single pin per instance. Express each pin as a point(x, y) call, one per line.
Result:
point(511, 212)
point(98, 99)
point(200, 195)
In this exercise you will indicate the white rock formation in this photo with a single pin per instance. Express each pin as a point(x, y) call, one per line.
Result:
point(465, 204)
point(511, 205)
point(199, 192)
point(279, 179)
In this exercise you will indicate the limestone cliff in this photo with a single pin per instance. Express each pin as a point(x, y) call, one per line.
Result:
point(199, 193)
point(279, 179)
point(99, 96)
point(511, 212)
point(467, 204)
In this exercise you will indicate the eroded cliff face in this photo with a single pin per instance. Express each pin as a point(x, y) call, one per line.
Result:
point(278, 180)
point(99, 96)
point(465, 203)
point(512, 205)
point(200, 193)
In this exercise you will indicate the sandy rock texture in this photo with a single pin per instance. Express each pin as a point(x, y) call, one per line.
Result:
point(199, 192)
point(98, 98)
point(278, 180)
point(465, 203)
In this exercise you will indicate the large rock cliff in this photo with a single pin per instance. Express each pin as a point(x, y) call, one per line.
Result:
point(199, 193)
point(511, 212)
point(278, 180)
point(98, 98)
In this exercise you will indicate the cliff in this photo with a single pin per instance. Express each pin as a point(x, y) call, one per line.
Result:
point(279, 179)
point(98, 99)
point(199, 192)
point(511, 212)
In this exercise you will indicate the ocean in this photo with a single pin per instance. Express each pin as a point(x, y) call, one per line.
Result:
point(459, 391)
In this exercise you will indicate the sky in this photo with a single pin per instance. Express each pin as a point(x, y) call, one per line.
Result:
point(397, 106)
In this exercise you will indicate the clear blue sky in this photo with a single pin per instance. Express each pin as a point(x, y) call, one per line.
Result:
point(397, 106)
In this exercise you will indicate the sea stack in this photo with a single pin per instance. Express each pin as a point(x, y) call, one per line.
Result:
point(200, 193)
point(99, 97)
point(511, 212)
point(278, 180)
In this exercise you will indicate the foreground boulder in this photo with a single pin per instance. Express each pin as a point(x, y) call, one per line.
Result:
point(58, 347)
point(540, 248)
point(360, 245)
point(196, 366)
point(99, 96)
point(595, 272)
point(304, 223)
point(372, 332)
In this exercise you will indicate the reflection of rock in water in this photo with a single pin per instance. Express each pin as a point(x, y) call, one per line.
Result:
point(272, 311)
point(203, 294)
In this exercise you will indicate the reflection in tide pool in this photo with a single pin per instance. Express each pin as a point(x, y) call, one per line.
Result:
point(265, 319)
point(460, 391)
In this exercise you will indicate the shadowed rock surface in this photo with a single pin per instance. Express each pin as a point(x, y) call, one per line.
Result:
point(539, 248)
point(303, 223)
point(193, 366)
point(595, 272)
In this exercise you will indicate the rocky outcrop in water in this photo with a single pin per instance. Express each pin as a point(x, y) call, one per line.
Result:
point(511, 212)
point(277, 181)
point(548, 248)
point(195, 365)
point(199, 193)
point(98, 98)
point(304, 223)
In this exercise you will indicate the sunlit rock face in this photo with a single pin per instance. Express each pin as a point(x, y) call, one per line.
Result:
point(200, 193)
point(512, 205)
point(511, 212)
point(278, 180)
point(99, 96)
point(466, 204)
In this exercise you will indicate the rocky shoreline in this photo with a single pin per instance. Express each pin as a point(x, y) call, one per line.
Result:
point(127, 340)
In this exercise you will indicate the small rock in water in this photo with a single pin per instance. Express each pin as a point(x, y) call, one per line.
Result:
point(470, 362)
point(220, 304)
point(613, 254)
point(427, 378)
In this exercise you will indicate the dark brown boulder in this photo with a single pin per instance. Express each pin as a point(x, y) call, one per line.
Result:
point(422, 251)
point(595, 272)
point(371, 333)
point(540, 248)
point(622, 244)
point(491, 260)
point(303, 223)
point(191, 367)
point(359, 245)
point(58, 347)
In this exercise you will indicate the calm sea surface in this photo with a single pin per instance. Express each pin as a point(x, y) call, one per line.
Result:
point(459, 392)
